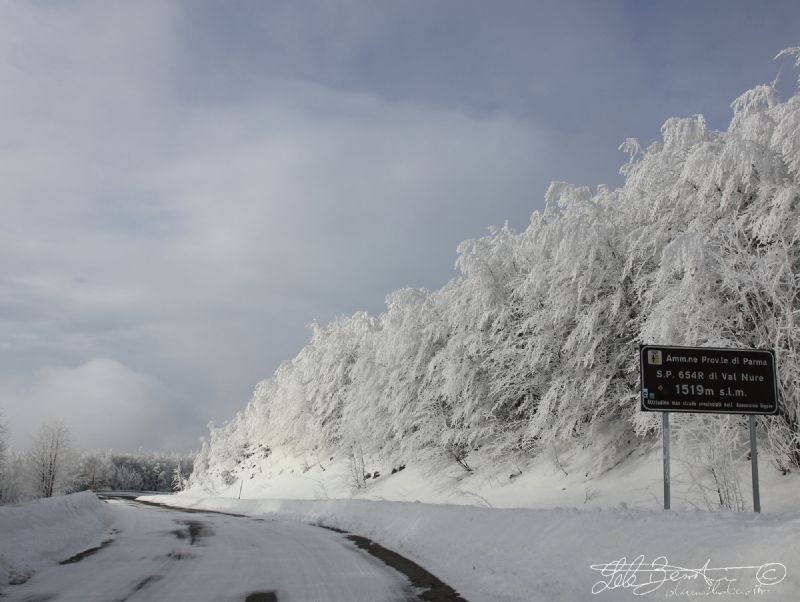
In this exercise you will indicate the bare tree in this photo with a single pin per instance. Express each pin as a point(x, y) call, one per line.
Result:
point(48, 459)
point(3, 458)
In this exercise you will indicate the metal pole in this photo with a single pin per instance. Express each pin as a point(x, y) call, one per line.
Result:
point(754, 464)
point(665, 448)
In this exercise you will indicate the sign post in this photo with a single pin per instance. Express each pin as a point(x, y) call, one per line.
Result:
point(754, 464)
point(708, 380)
point(665, 455)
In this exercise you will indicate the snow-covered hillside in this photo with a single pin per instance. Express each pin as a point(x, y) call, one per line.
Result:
point(531, 352)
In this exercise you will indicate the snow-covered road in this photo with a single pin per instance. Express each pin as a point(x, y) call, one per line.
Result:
point(163, 555)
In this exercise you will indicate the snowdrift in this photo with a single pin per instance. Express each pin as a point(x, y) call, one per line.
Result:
point(47, 531)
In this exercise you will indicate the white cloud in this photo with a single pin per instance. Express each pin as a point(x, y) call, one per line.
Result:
point(195, 243)
point(103, 403)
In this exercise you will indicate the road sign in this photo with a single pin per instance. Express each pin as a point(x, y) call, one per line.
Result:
point(707, 379)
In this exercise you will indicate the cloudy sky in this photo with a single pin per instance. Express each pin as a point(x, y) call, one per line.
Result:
point(186, 186)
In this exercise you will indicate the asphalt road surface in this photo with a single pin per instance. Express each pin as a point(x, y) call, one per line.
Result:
point(165, 555)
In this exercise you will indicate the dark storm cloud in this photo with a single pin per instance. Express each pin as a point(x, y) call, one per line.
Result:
point(188, 185)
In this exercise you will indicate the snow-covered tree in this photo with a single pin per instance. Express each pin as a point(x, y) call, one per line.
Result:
point(94, 470)
point(16, 485)
point(179, 478)
point(536, 341)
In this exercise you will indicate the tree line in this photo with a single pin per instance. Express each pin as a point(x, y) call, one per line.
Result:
point(53, 466)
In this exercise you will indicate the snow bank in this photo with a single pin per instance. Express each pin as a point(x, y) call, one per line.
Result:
point(563, 477)
point(43, 532)
point(505, 555)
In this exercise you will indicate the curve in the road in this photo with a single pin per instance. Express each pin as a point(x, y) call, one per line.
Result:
point(169, 555)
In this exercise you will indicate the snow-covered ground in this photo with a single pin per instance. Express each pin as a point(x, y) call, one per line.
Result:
point(554, 532)
point(537, 536)
point(544, 555)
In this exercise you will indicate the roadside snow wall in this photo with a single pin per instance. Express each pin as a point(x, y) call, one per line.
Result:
point(43, 532)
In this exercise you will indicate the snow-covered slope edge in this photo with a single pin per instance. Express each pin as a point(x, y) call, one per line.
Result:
point(531, 555)
point(564, 476)
point(47, 531)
